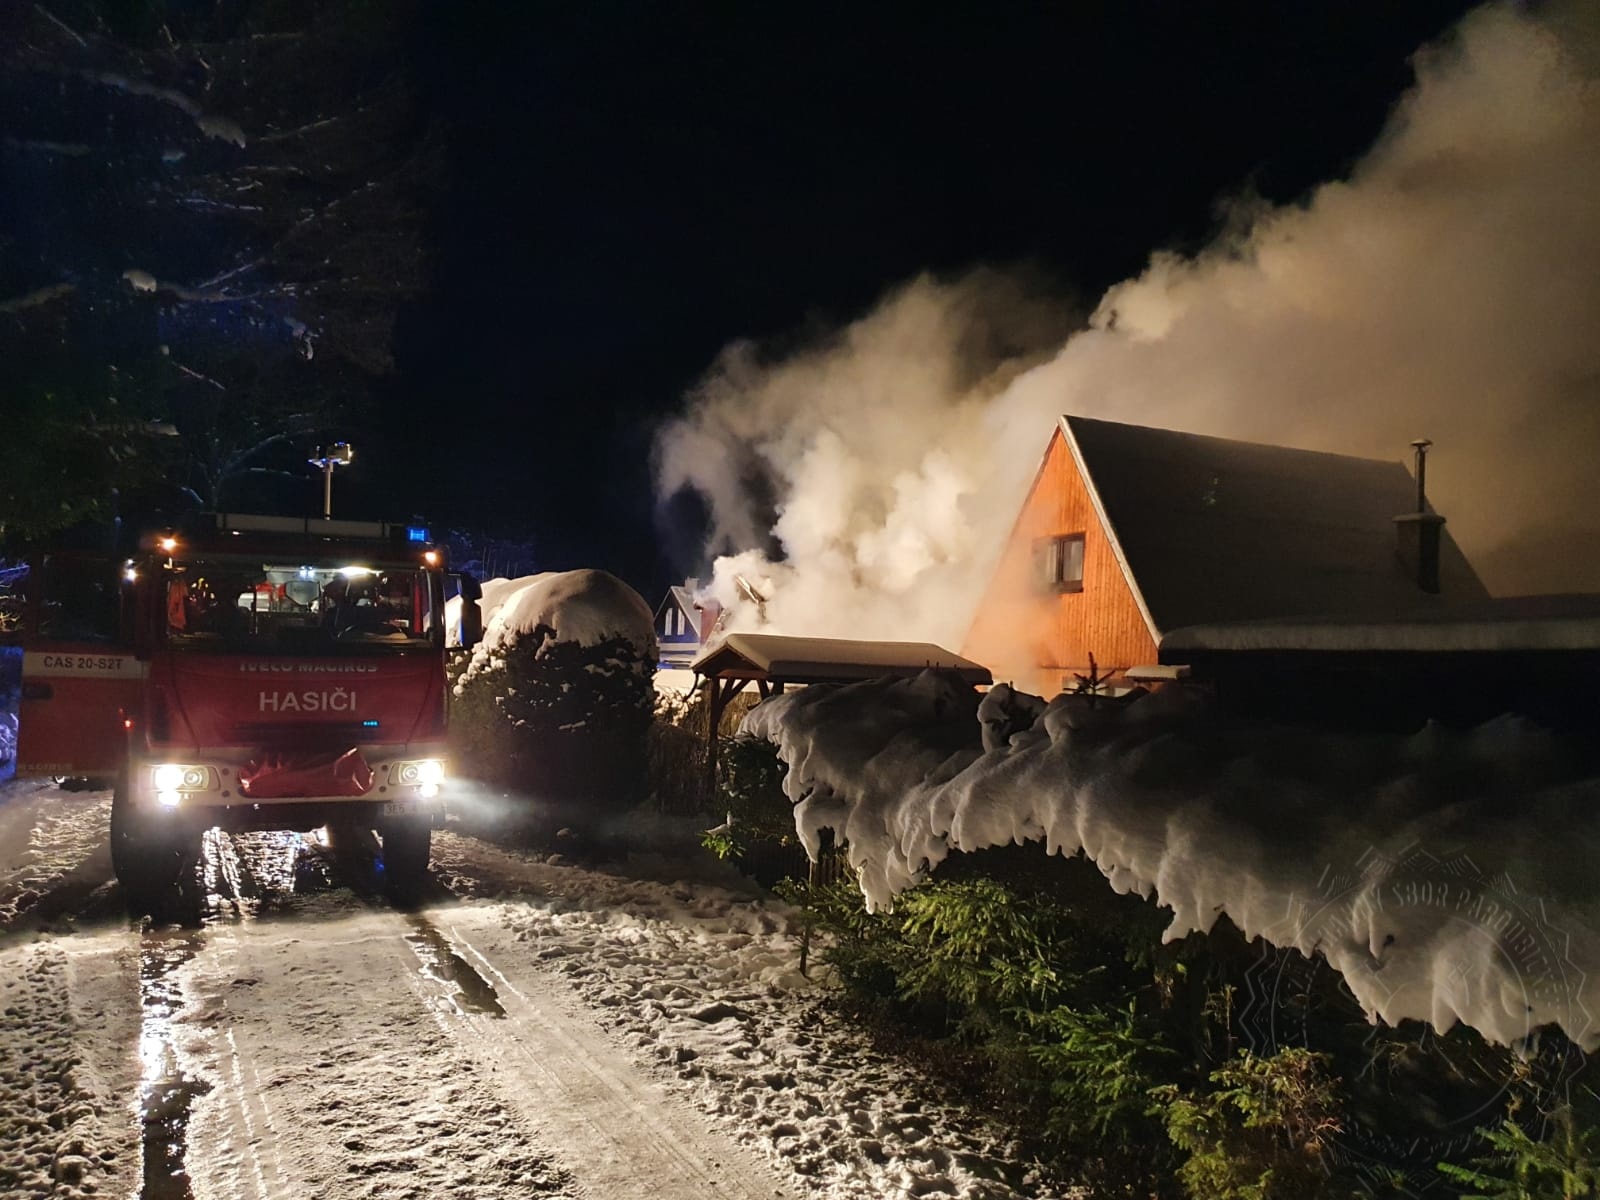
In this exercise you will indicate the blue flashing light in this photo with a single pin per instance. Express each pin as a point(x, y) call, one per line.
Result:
point(416, 533)
point(369, 724)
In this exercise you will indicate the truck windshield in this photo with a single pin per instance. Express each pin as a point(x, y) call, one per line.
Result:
point(78, 598)
point(299, 608)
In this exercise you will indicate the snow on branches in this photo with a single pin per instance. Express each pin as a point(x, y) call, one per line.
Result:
point(1444, 874)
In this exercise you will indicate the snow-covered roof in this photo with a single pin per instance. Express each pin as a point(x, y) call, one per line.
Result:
point(1512, 624)
point(1213, 530)
point(828, 660)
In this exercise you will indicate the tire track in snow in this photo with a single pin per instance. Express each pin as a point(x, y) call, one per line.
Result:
point(332, 1072)
point(68, 1005)
point(776, 1067)
point(698, 982)
point(68, 1014)
point(621, 1133)
point(629, 1135)
point(53, 852)
point(166, 1091)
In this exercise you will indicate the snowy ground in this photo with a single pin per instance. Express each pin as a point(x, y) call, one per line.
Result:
point(675, 680)
point(542, 1028)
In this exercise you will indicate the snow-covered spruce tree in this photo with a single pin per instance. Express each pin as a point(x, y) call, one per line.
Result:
point(556, 703)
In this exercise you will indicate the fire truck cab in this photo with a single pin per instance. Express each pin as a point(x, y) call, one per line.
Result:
point(243, 672)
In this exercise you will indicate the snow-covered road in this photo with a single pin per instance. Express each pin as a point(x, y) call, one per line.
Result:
point(635, 1028)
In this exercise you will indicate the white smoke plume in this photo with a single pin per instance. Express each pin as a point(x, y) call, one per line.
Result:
point(1449, 288)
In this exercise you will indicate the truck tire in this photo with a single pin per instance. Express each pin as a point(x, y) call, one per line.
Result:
point(151, 861)
point(405, 858)
point(356, 854)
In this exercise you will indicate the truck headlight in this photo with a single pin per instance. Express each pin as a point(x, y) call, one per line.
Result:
point(422, 772)
point(181, 777)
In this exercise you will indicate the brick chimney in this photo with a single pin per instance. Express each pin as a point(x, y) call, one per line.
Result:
point(1418, 533)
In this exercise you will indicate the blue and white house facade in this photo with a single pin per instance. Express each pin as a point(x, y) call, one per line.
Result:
point(680, 620)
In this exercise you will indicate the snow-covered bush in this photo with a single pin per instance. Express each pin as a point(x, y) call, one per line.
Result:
point(1057, 894)
point(556, 701)
point(1336, 844)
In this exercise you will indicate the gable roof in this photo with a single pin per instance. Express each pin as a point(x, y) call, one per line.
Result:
point(684, 599)
point(827, 660)
point(1212, 530)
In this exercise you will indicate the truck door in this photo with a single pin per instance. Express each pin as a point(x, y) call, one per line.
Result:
point(80, 675)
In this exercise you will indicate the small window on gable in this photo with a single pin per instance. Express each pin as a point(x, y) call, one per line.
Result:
point(1058, 562)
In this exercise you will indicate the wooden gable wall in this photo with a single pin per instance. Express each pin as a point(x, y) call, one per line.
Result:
point(1039, 638)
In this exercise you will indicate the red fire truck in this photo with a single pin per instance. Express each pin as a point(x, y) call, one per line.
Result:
point(243, 672)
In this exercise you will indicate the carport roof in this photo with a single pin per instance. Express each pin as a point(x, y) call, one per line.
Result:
point(780, 659)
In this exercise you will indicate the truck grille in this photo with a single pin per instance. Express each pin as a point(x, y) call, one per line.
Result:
point(310, 735)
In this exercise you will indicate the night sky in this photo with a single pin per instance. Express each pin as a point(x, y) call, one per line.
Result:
point(633, 186)
point(607, 195)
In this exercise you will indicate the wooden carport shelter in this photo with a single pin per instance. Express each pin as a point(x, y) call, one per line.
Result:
point(773, 661)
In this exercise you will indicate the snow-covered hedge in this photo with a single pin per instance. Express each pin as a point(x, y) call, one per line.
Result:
point(557, 698)
point(1445, 875)
point(583, 607)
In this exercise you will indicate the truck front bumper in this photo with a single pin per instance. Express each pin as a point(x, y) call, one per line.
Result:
point(205, 789)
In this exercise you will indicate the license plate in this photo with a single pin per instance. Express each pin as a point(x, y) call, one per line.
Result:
point(399, 808)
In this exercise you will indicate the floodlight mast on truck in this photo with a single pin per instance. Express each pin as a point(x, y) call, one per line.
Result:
point(338, 455)
point(244, 672)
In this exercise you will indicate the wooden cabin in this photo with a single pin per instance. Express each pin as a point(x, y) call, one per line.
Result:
point(1130, 533)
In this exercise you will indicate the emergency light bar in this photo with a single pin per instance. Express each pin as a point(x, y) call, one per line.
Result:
point(251, 523)
point(213, 529)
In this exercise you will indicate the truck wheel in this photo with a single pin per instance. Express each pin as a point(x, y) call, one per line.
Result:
point(150, 860)
point(355, 854)
point(405, 858)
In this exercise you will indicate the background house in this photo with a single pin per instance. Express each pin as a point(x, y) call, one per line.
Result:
point(679, 619)
point(1131, 533)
